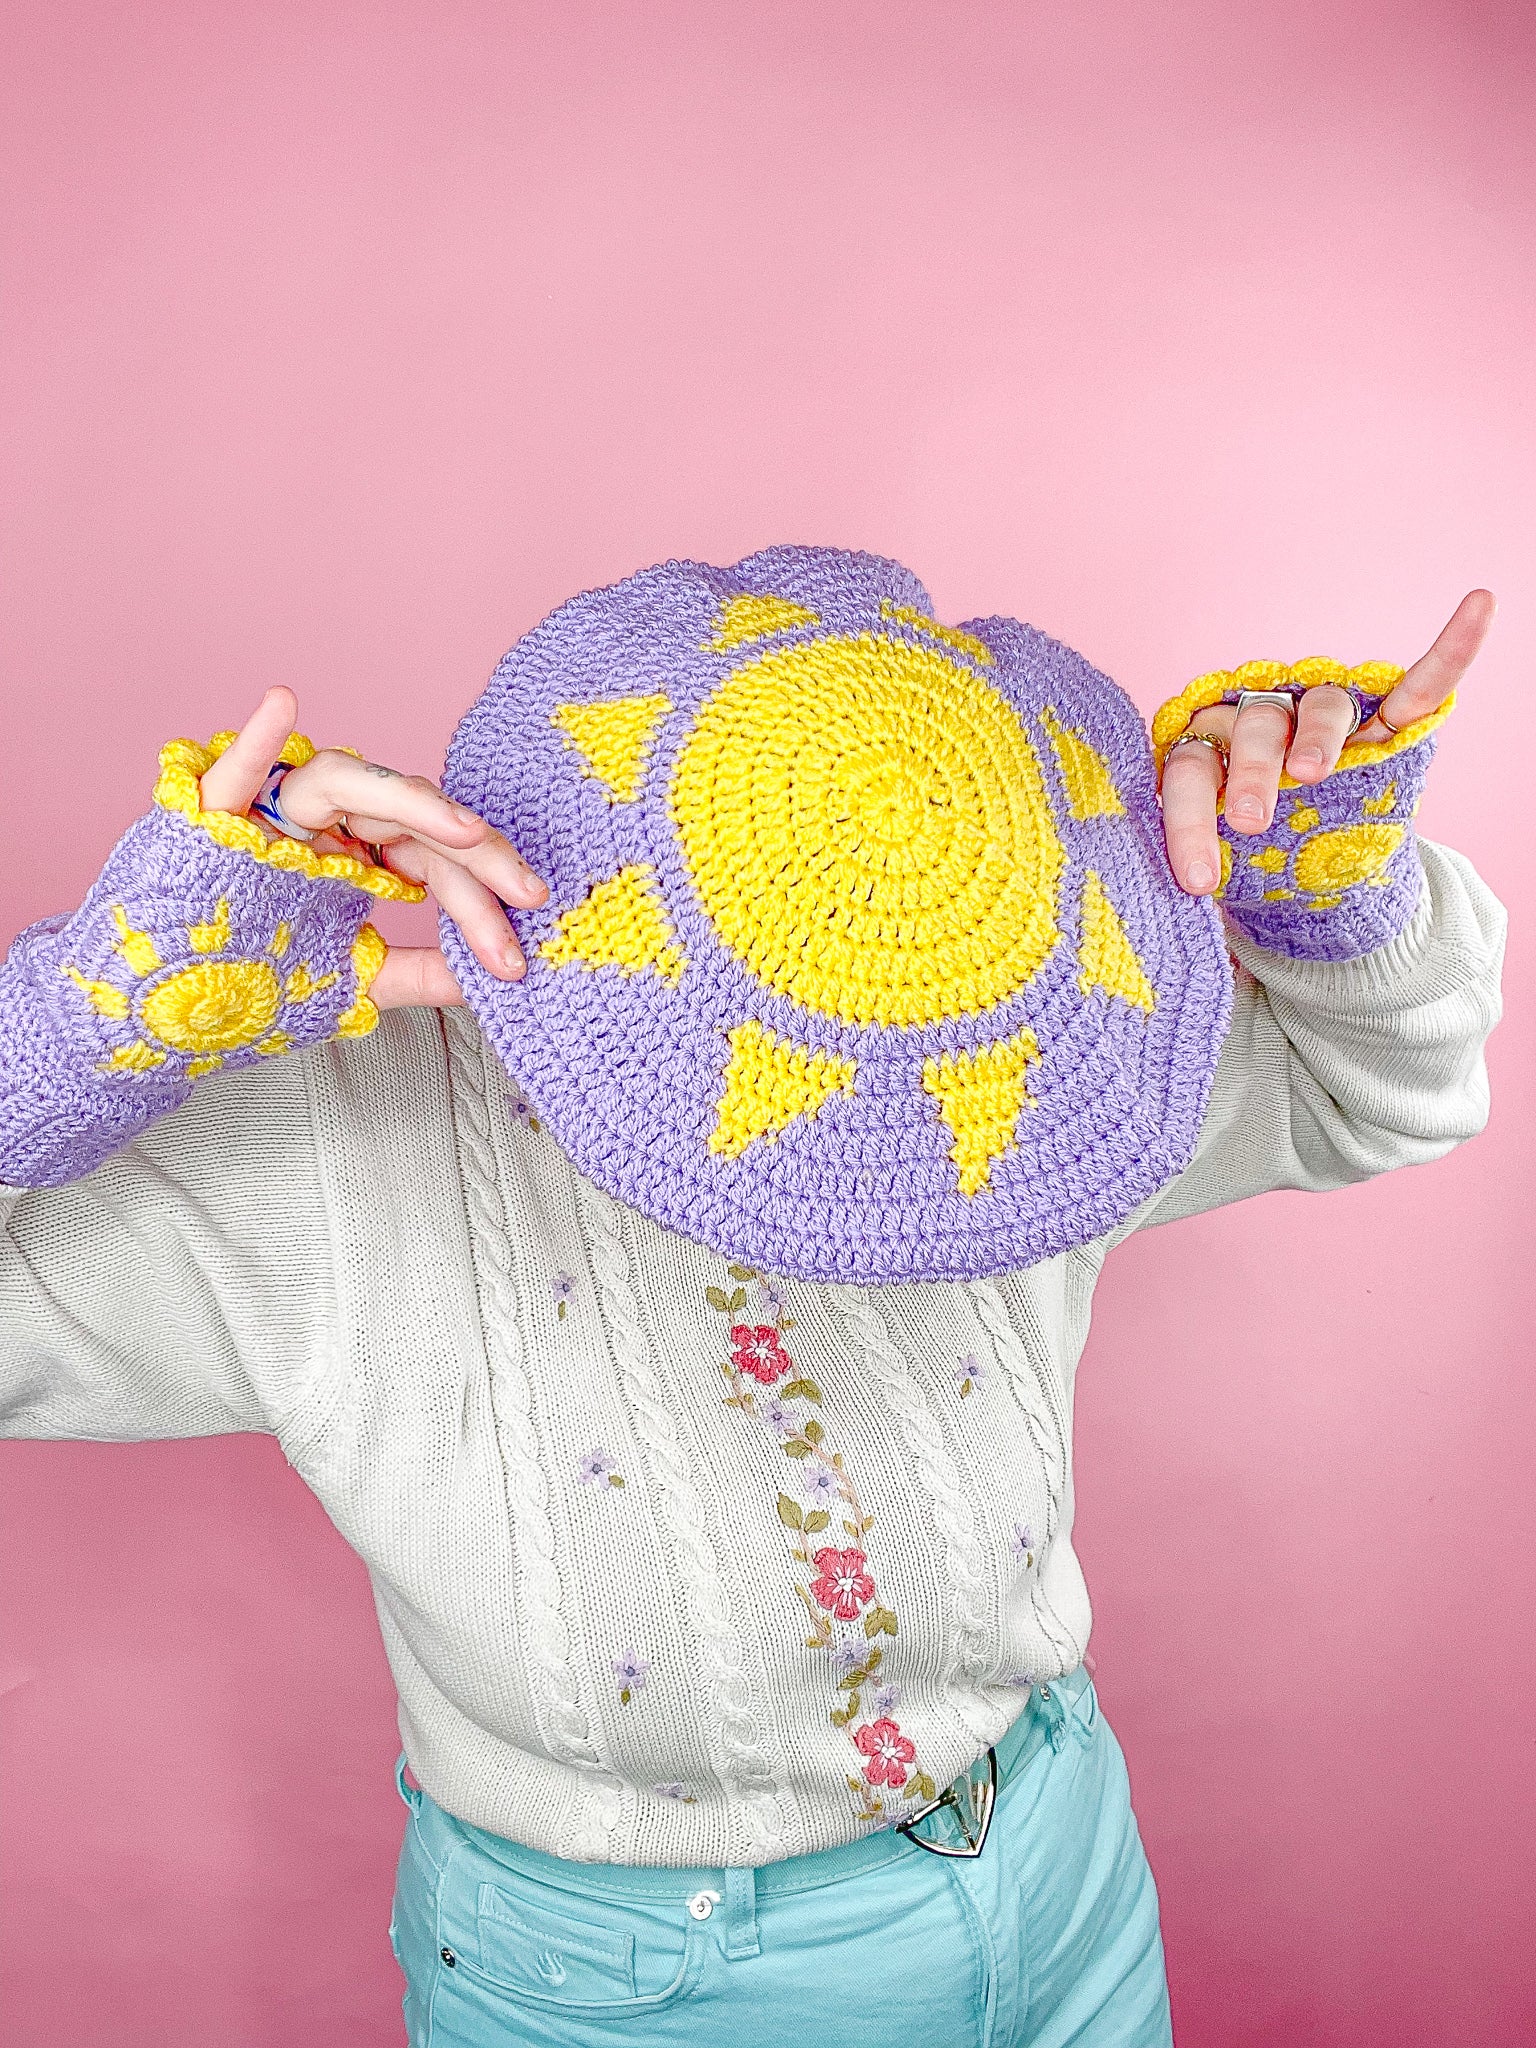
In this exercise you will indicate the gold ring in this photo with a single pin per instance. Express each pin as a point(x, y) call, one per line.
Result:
point(1200, 739)
point(1383, 719)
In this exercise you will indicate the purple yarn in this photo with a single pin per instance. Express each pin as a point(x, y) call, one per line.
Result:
point(61, 1115)
point(1268, 893)
point(627, 1070)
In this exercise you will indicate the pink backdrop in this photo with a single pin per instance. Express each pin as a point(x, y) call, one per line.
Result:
point(345, 339)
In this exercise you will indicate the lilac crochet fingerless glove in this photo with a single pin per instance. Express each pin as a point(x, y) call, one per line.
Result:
point(1337, 873)
point(201, 945)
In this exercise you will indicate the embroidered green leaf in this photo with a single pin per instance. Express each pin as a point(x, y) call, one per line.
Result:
point(736, 1300)
point(560, 1311)
point(815, 1521)
point(866, 1525)
point(879, 1622)
point(534, 1124)
point(965, 1388)
point(789, 1514)
point(715, 1296)
point(742, 1272)
point(624, 1696)
point(874, 1660)
point(856, 1785)
point(853, 1681)
point(814, 1431)
point(615, 1479)
point(922, 1787)
point(797, 1447)
point(851, 1529)
point(801, 1389)
point(841, 1716)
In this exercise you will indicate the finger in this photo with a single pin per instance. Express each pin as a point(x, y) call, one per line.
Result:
point(478, 915)
point(495, 861)
point(241, 769)
point(1323, 723)
point(1191, 790)
point(334, 784)
point(1259, 740)
point(1434, 675)
point(415, 974)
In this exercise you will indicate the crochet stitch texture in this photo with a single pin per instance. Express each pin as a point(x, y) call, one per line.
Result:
point(862, 959)
point(200, 946)
point(1337, 874)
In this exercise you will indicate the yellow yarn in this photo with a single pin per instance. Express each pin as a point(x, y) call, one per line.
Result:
point(182, 765)
point(768, 1083)
point(1337, 860)
point(1375, 678)
point(623, 923)
point(208, 1064)
point(963, 643)
point(303, 983)
point(1304, 817)
point(216, 1007)
point(1226, 870)
point(868, 828)
point(137, 1058)
point(213, 936)
point(360, 1016)
point(613, 738)
point(1270, 859)
point(109, 1001)
point(1106, 957)
point(280, 939)
point(980, 1096)
point(1091, 791)
point(1380, 806)
point(751, 617)
point(137, 948)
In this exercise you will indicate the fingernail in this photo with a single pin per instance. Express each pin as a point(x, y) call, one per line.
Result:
point(512, 960)
point(1200, 875)
point(464, 816)
point(1309, 757)
point(1246, 807)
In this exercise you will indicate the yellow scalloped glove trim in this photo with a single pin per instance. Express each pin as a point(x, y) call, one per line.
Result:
point(368, 950)
point(1376, 678)
point(183, 763)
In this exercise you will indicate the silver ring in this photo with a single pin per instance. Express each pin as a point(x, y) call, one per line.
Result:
point(267, 804)
point(1284, 700)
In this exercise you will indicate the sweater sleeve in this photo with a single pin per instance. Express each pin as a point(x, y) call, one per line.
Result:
point(1335, 1071)
point(186, 1287)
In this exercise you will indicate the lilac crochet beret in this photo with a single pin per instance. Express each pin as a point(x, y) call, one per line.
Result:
point(862, 959)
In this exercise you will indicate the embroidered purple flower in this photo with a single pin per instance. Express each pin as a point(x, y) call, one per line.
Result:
point(1022, 1542)
point(631, 1670)
point(780, 1417)
point(597, 1468)
point(849, 1655)
point(674, 1791)
point(772, 1297)
point(562, 1286)
point(884, 1699)
point(820, 1485)
point(970, 1372)
point(1024, 1680)
point(522, 1109)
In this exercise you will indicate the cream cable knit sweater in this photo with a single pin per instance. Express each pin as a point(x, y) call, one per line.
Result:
point(628, 1590)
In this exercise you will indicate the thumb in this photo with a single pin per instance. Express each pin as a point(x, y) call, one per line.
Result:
point(415, 975)
point(240, 770)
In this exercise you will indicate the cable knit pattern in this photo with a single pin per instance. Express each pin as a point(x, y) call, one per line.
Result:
point(185, 958)
point(972, 1660)
point(564, 1725)
point(743, 1767)
point(621, 1606)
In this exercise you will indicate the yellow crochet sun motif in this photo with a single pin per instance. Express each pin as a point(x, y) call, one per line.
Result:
point(216, 1006)
point(867, 825)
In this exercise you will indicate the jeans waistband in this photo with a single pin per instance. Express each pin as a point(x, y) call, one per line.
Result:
point(1047, 1718)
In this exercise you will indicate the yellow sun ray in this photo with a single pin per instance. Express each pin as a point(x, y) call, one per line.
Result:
point(623, 923)
point(280, 939)
point(103, 997)
point(754, 617)
point(1380, 806)
point(137, 1058)
point(613, 739)
point(1270, 861)
point(963, 643)
point(213, 936)
point(768, 1083)
point(137, 948)
point(1091, 791)
point(981, 1096)
point(1106, 958)
point(1304, 817)
point(303, 982)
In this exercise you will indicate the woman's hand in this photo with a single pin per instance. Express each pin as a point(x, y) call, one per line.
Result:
point(1258, 749)
point(470, 868)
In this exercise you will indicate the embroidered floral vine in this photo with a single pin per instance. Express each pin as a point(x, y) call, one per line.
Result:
point(835, 1581)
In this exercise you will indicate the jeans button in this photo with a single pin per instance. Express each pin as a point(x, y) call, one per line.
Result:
point(448, 1957)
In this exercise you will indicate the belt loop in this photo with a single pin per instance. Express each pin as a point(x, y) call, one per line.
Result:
point(411, 1794)
point(741, 1914)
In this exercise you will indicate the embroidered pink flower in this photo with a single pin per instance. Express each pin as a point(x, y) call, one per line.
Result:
point(842, 1583)
point(889, 1751)
point(759, 1353)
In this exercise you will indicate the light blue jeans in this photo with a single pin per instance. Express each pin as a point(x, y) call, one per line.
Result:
point(1049, 1937)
